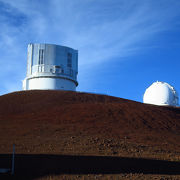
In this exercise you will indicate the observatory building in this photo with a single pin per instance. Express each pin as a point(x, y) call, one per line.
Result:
point(161, 93)
point(51, 67)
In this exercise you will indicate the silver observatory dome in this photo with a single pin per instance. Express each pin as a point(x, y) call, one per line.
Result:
point(51, 66)
point(161, 93)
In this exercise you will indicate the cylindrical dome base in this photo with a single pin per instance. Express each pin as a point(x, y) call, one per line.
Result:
point(49, 83)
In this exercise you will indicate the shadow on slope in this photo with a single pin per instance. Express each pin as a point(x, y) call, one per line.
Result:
point(30, 166)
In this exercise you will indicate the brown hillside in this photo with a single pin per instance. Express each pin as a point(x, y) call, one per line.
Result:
point(72, 123)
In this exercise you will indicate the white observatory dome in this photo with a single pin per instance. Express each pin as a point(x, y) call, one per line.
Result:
point(161, 93)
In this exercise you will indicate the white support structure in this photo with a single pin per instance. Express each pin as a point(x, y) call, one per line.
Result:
point(13, 156)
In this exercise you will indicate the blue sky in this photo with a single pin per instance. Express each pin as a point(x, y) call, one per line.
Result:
point(124, 46)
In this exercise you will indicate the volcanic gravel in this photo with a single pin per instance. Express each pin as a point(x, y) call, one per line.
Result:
point(81, 124)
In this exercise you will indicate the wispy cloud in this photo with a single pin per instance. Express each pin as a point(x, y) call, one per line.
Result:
point(100, 30)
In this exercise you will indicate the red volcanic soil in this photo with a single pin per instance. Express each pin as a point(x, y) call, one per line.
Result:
point(73, 124)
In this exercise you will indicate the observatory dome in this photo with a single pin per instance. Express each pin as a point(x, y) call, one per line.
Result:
point(161, 93)
point(51, 66)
